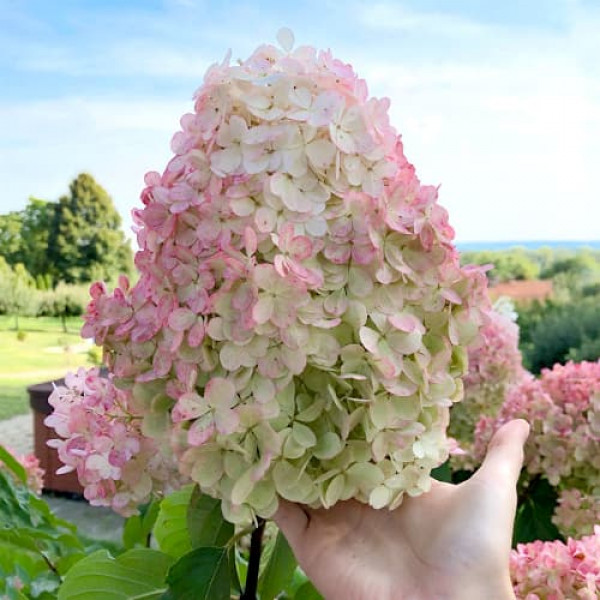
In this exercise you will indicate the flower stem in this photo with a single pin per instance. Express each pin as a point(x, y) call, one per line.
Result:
point(254, 561)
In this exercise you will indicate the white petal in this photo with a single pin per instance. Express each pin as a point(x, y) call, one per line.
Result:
point(263, 309)
point(285, 38)
point(320, 153)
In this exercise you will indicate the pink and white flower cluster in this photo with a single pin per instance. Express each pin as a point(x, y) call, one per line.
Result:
point(300, 324)
point(577, 513)
point(495, 364)
point(557, 570)
point(118, 466)
point(563, 409)
point(31, 464)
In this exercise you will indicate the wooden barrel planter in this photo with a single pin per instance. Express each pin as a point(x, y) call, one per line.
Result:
point(48, 457)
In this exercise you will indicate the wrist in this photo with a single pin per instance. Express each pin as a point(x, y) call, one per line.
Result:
point(490, 589)
point(475, 588)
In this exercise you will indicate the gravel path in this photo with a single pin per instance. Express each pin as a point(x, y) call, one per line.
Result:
point(16, 433)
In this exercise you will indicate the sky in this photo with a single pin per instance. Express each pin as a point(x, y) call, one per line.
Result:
point(496, 102)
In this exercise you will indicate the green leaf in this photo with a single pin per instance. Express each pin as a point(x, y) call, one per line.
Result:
point(279, 571)
point(534, 515)
point(17, 469)
point(298, 580)
point(236, 586)
point(443, 472)
point(202, 574)
point(205, 521)
point(138, 528)
point(171, 527)
point(132, 531)
point(138, 574)
point(307, 592)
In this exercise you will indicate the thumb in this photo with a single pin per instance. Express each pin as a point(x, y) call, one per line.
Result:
point(293, 521)
point(504, 458)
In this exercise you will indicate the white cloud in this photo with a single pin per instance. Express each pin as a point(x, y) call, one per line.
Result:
point(394, 16)
point(45, 144)
point(507, 121)
point(513, 147)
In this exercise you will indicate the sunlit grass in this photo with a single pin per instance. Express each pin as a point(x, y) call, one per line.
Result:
point(44, 351)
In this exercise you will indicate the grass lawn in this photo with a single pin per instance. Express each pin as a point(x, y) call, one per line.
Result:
point(46, 352)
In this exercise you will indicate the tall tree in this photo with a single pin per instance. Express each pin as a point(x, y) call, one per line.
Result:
point(11, 244)
point(36, 218)
point(85, 240)
point(17, 291)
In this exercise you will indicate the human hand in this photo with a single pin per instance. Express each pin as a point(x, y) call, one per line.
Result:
point(450, 543)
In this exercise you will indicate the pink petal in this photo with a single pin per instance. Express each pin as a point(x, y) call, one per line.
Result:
point(189, 406)
point(181, 319)
point(200, 432)
point(196, 334)
point(263, 309)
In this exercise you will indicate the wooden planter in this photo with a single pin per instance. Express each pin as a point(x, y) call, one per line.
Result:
point(48, 457)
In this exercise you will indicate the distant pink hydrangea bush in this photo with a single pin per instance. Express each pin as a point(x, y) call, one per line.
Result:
point(300, 324)
point(563, 409)
point(557, 570)
point(31, 464)
point(577, 513)
point(495, 364)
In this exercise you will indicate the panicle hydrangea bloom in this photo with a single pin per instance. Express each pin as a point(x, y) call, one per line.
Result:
point(300, 324)
point(576, 513)
point(495, 364)
point(557, 570)
point(563, 409)
point(31, 464)
point(102, 441)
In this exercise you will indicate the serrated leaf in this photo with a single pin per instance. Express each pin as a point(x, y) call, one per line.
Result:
point(202, 574)
point(534, 515)
point(171, 527)
point(13, 465)
point(138, 528)
point(443, 472)
point(206, 524)
point(279, 570)
point(137, 574)
point(236, 586)
point(132, 531)
point(307, 592)
point(10, 556)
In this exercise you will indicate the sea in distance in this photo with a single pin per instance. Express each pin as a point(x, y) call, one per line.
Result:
point(527, 244)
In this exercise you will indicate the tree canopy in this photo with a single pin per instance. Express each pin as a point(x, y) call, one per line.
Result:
point(76, 240)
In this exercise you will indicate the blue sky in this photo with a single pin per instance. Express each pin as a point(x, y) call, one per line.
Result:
point(499, 102)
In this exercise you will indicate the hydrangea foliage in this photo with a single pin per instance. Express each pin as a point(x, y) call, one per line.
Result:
point(300, 323)
point(33, 471)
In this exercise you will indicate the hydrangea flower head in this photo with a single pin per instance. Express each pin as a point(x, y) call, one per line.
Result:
point(557, 570)
point(495, 365)
point(300, 323)
point(34, 472)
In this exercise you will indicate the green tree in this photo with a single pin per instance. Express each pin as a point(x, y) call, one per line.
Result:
point(11, 244)
point(510, 264)
point(85, 240)
point(554, 332)
point(36, 217)
point(17, 291)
